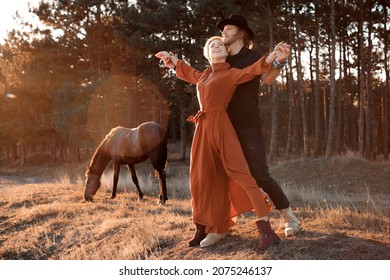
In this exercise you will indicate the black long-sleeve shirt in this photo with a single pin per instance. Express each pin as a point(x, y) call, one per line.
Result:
point(244, 109)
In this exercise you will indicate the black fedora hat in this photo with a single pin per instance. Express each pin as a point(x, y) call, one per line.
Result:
point(236, 20)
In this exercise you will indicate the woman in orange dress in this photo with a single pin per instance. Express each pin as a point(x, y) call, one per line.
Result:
point(220, 181)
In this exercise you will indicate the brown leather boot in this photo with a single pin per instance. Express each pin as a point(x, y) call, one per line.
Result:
point(199, 235)
point(267, 236)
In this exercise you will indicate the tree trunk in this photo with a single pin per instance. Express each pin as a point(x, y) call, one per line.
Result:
point(362, 63)
point(347, 100)
point(332, 94)
point(273, 151)
point(23, 152)
point(386, 94)
point(290, 87)
point(340, 101)
point(370, 113)
point(290, 111)
point(302, 99)
point(317, 98)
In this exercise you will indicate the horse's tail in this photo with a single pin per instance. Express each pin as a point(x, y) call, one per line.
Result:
point(162, 153)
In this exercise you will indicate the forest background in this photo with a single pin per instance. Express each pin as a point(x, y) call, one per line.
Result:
point(91, 67)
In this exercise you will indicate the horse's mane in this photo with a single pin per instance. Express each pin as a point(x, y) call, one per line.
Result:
point(112, 131)
point(99, 152)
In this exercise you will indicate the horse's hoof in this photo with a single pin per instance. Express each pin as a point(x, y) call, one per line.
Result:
point(112, 197)
point(161, 203)
point(88, 198)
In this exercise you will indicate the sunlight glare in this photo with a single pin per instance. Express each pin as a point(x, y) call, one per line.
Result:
point(8, 12)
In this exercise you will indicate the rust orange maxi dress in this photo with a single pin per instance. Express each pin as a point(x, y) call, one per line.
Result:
point(220, 181)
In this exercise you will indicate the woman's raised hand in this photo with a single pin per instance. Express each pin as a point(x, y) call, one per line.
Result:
point(169, 59)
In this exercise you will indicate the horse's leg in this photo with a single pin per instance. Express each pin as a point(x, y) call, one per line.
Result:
point(163, 186)
point(158, 158)
point(117, 167)
point(159, 171)
point(135, 180)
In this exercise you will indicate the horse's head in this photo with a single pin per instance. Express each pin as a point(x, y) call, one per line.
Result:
point(92, 184)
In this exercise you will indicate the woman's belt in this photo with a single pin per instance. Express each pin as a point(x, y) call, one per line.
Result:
point(200, 113)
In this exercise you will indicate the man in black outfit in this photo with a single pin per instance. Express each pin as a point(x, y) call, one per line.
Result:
point(244, 112)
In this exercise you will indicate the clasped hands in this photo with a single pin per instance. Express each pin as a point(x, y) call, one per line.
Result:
point(280, 53)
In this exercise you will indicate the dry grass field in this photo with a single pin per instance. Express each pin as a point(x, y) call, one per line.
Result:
point(343, 204)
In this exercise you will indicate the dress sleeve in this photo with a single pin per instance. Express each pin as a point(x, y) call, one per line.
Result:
point(248, 73)
point(187, 73)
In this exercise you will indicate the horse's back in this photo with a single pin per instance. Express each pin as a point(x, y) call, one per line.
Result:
point(135, 141)
point(153, 132)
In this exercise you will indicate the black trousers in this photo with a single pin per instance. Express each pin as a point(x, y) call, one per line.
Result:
point(252, 143)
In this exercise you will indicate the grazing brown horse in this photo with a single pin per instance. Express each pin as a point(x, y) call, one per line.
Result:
point(129, 146)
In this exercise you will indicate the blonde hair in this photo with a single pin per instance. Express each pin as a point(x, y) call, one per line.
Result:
point(206, 46)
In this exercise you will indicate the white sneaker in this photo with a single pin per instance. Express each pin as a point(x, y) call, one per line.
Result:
point(211, 239)
point(291, 226)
